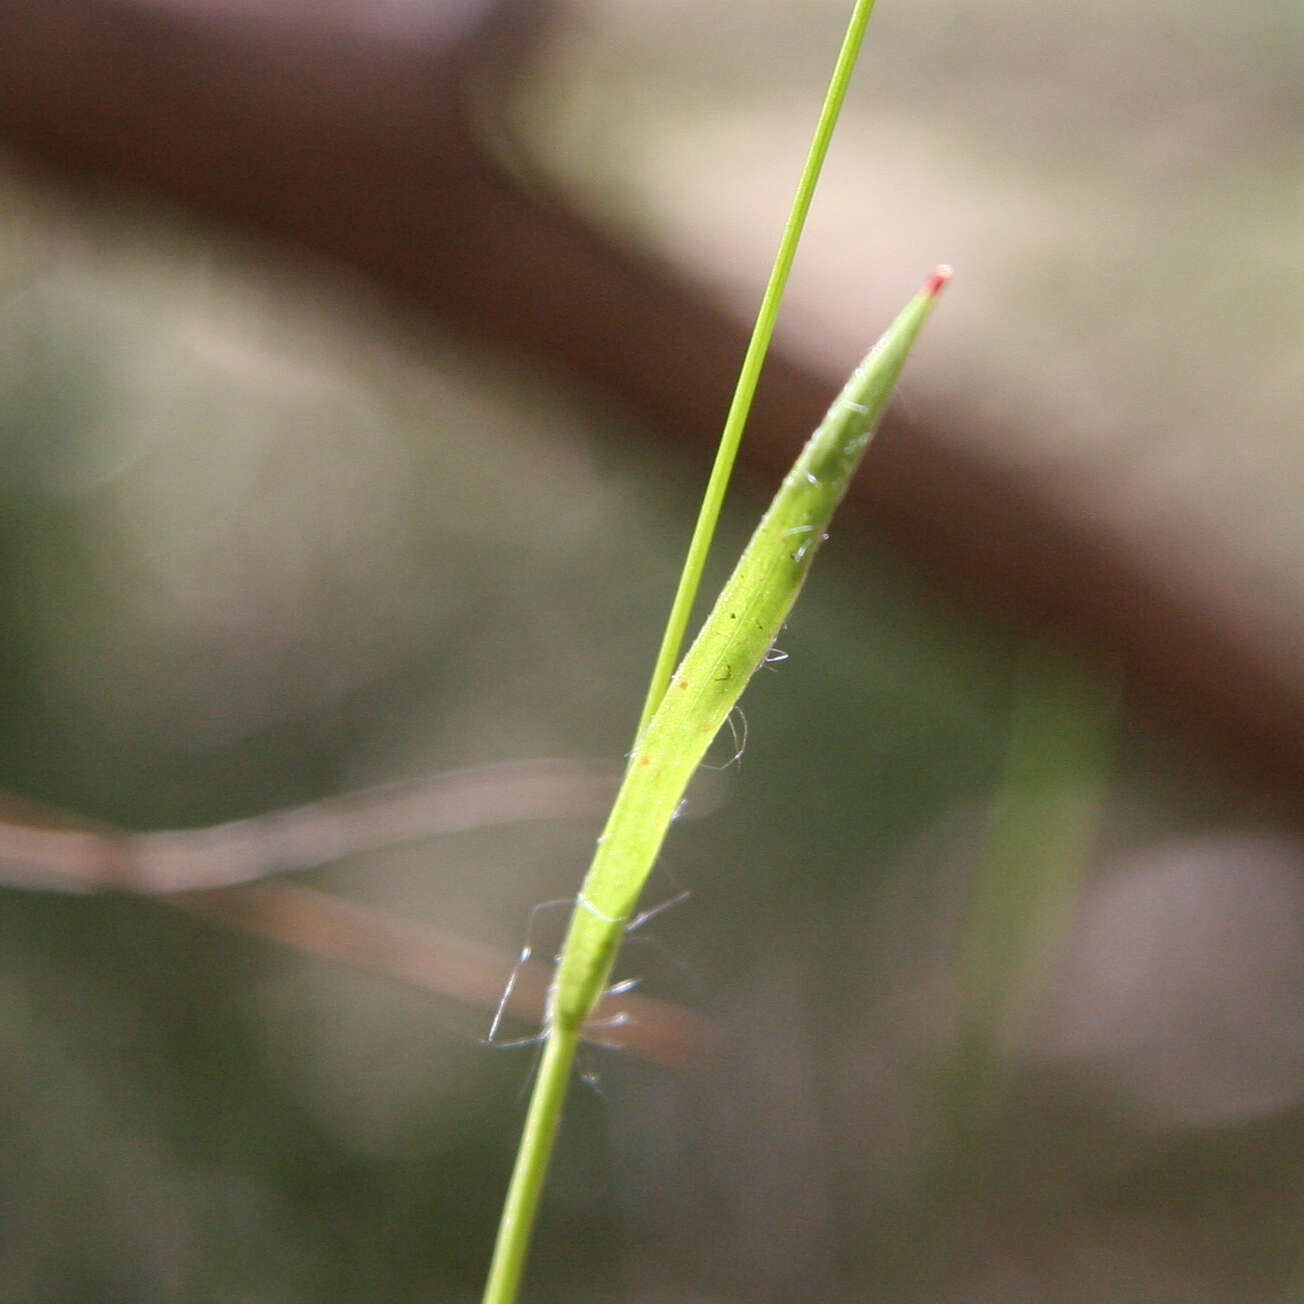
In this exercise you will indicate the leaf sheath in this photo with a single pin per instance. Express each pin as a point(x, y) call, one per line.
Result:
point(732, 644)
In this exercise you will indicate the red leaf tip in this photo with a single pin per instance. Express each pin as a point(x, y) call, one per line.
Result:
point(941, 274)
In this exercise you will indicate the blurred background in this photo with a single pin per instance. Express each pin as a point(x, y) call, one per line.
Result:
point(359, 364)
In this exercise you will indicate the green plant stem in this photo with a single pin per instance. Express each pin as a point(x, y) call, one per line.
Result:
point(733, 643)
point(690, 579)
point(521, 1206)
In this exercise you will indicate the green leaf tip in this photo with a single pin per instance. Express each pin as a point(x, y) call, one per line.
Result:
point(733, 642)
point(757, 348)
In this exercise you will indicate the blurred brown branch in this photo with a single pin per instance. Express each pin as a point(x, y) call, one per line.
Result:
point(353, 137)
point(435, 960)
point(50, 849)
point(55, 850)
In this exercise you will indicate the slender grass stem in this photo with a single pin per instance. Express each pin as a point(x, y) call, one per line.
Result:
point(700, 545)
point(733, 643)
point(522, 1203)
point(677, 725)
